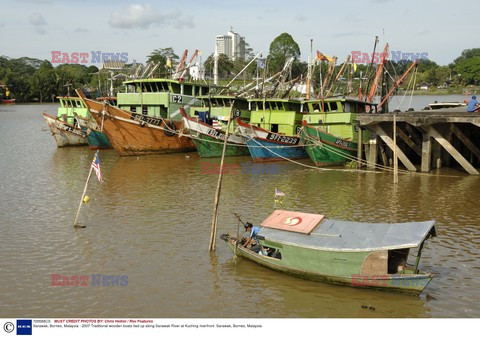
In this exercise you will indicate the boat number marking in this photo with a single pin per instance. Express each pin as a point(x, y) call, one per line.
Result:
point(283, 139)
point(177, 98)
point(146, 119)
point(292, 221)
point(70, 129)
point(214, 133)
point(341, 142)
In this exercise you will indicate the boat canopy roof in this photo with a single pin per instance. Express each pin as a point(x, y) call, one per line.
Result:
point(164, 80)
point(338, 235)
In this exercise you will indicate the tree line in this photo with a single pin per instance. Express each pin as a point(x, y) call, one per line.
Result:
point(30, 79)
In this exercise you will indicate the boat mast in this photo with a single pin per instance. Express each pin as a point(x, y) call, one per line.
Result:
point(309, 76)
point(397, 83)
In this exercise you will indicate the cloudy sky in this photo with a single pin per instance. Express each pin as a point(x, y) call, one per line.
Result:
point(34, 28)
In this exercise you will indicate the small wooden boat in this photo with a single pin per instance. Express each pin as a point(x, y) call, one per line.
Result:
point(138, 134)
point(370, 255)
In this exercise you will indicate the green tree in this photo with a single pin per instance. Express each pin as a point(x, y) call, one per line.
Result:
point(44, 82)
point(225, 66)
point(160, 56)
point(469, 70)
point(282, 48)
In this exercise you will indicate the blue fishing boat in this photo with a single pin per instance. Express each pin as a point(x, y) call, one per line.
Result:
point(272, 134)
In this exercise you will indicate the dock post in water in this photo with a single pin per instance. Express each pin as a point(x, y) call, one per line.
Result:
point(213, 234)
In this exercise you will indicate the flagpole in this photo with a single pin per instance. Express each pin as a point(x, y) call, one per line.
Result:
point(81, 201)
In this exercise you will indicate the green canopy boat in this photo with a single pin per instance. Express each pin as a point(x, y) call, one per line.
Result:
point(370, 255)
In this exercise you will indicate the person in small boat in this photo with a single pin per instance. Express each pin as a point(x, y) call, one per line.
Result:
point(472, 104)
point(252, 239)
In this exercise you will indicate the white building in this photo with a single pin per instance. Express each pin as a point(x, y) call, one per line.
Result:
point(232, 45)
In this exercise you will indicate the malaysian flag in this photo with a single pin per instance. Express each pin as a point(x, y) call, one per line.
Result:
point(96, 167)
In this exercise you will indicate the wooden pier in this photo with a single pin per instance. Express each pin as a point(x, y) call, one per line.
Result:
point(424, 139)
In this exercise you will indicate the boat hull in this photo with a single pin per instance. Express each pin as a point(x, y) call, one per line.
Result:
point(210, 147)
point(262, 150)
point(412, 284)
point(65, 134)
point(325, 149)
point(134, 134)
point(97, 140)
point(265, 146)
point(209, 140)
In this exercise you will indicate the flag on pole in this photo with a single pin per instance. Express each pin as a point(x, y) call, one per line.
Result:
point(323, 57)
point(96, 167)
point(354, 66)
point(279, 193)
point(261, 63)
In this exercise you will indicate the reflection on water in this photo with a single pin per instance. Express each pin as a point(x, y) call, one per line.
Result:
point(150, 220)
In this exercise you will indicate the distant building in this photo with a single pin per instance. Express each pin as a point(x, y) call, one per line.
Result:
point(232, 45)
point(424, 86)
point(197, 71)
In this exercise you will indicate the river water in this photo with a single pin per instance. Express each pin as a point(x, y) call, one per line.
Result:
point(150, 221)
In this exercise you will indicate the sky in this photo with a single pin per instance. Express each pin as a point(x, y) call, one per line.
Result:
point(35, 28)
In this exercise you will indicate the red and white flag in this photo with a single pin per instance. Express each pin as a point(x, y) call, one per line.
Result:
point(96, 167)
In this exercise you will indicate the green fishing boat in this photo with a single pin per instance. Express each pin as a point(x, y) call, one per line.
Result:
point(358, 254)
point(330, 130)
point(272, 133)
point(66, 127)
point(207, 125)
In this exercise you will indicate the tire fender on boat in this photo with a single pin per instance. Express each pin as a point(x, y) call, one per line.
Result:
point(170, 129)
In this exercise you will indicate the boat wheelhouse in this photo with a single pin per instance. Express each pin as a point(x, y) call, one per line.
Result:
point(272, 133)
point(161, 98)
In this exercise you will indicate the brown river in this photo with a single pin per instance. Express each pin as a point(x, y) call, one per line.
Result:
point(150, 223)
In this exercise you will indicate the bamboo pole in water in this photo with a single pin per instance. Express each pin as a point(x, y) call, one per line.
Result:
point(213, 234)
point(81, 201)
point(395, 158)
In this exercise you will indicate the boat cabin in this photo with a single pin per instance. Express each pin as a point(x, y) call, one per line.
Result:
point(215, 110)
point(160, 97)
point(69, 107)
point(282, 116)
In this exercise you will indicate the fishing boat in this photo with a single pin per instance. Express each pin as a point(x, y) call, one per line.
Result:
point(207, 126)
point(358, 254)
point(330, 130)
point(66, 127)
point(5, 95)
point(147, 117)
point(272, 133)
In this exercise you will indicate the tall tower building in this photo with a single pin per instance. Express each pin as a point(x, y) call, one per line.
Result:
point(231, 44)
